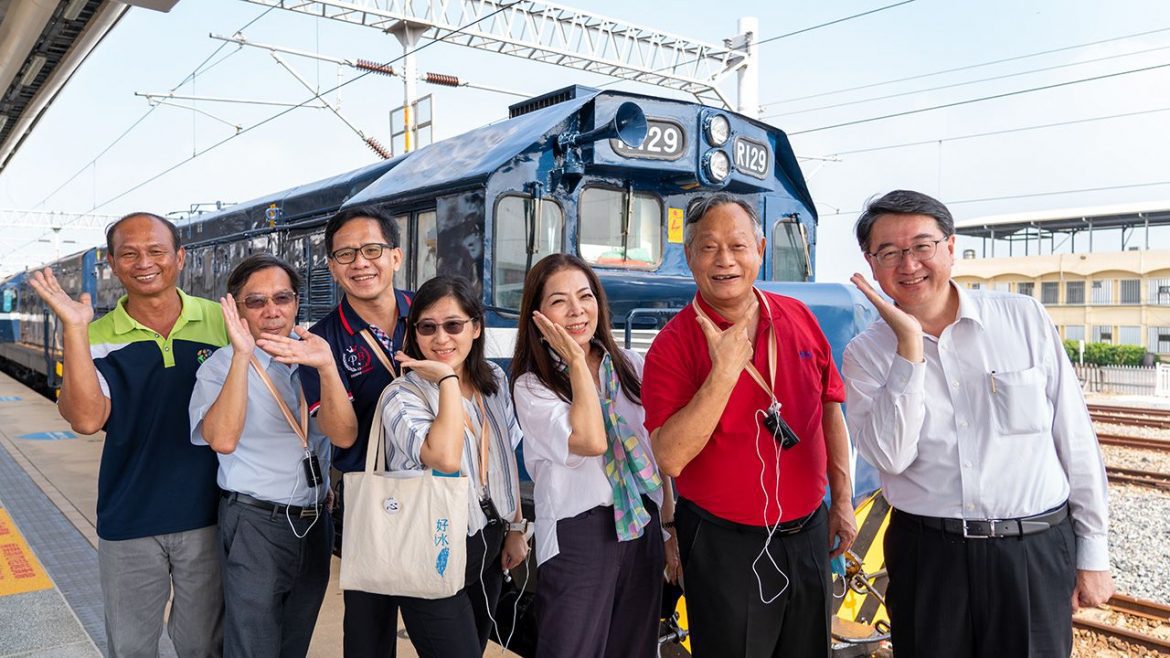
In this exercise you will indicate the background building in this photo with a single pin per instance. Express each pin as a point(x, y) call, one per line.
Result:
point(1092, 268)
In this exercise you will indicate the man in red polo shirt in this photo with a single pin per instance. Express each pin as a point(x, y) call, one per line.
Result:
point(743, 403)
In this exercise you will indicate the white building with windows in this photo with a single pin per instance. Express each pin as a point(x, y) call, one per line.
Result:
point(1093, 269)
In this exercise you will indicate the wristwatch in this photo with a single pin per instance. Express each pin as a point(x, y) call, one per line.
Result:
point(523, 526)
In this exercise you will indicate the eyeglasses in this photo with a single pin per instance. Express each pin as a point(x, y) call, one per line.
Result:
point(257, 302)
point(371, 251)
point(919, 251)
point(450, 327)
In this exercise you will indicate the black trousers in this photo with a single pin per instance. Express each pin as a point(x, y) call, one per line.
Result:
point(600, 596)
point(725, 607)
point(458, 626)
point(273, 581)
point(979, 598)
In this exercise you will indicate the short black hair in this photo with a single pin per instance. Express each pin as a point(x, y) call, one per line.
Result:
point(113, 228)
point(253, 264)
point(902, 202)
point(701, 205)
point(389, 228)
point(475, 367)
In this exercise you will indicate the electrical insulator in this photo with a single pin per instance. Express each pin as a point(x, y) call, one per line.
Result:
point(377, 147)
point(374, 67)
point(442, 79)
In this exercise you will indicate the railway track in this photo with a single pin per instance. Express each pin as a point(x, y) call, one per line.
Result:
point(1133, 441)
point(1151, 479)
point(1133, 416)
point(1145, 624)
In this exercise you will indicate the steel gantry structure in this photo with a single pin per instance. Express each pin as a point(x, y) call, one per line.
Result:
point(554, 34)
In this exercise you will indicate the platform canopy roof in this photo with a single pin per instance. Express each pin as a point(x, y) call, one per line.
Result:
point(42, 42)
point(1069, 220)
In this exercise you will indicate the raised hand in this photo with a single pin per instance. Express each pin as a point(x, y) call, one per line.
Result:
point(311, 350)
point(731, 349)
point(432, 371)
point(558, 338)
point(906, 327)
point(238, 333)
point(73, 314)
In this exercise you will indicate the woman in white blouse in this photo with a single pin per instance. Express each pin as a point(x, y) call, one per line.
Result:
point(598, 494)
point(447, 413)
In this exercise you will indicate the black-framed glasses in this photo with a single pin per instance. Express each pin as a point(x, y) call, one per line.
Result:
point(450, 327)
point(919, 251)
point(257, 302)
point(371, 251)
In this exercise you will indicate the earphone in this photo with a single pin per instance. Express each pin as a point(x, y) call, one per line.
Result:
point(771, 528)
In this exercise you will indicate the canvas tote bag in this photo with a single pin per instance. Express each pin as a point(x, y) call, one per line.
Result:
point(404, 532)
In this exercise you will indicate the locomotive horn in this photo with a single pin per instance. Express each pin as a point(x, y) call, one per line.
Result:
point(628, 124)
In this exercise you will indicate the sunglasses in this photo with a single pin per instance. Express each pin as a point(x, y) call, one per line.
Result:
point(450, 327)
point(257, 302)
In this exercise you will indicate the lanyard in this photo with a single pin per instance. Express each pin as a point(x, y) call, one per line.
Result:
point(302, 429)
point(379, 352)
point(751, 368)
point(484, 435)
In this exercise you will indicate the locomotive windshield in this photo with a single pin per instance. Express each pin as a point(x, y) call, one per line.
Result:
point(620, 228)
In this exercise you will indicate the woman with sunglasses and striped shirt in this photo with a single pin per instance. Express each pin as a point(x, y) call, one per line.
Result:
point(599, 537)
point(451, 412)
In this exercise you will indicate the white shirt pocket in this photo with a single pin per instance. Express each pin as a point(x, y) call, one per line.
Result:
point(1019, 402)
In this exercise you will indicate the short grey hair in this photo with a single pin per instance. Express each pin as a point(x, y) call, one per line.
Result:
point(701, 205)
point(902, 202)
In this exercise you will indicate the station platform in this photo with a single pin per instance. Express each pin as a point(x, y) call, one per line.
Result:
point(50, 595)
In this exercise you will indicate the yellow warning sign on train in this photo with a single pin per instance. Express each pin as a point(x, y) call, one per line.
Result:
point(674, 226)
point(20, 571)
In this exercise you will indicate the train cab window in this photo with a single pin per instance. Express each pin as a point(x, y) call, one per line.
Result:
point(426, 247)
point(403, 222)
point(619, 228)
point(790, 258)
point(513, 226)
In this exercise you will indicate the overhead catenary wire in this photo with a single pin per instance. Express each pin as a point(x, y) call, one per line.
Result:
point(281, 113)
point(965, 83)
point(1008, 94)
point(968, 67)
point(990, 133)
point(1030, 195)
point(194, 72)
point(779, 36)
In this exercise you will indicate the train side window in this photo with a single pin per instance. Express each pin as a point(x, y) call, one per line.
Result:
point(790, 253)
point(513, 221)
point(400, 277)
point(619, 228)
point(426, 246)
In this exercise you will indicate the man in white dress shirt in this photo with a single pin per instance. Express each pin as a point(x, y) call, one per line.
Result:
point(966, 402)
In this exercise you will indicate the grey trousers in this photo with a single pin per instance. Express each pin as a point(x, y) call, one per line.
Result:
point(274, 582)
point(138, 576)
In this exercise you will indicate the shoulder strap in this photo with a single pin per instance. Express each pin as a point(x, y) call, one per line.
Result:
point(376, 454)
point(379, 352)
point(301, 429)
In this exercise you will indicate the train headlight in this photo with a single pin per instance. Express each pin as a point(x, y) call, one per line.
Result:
point(717, 129)
point(717, 165)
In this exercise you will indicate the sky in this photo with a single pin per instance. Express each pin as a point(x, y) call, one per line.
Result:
point(101, 148)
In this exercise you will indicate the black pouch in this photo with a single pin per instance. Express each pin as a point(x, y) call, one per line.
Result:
point(312, 470)
point(779, 429)
point(489, 510)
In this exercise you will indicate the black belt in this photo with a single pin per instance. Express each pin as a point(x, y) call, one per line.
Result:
point(292, 510)
point(992, 528)
point(787, 528)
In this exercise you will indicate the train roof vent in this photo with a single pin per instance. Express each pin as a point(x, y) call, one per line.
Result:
point(551, 98)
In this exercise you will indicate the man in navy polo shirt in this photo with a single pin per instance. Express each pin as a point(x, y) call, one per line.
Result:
point(753, 532)
point(131, 373)
point(364, 331)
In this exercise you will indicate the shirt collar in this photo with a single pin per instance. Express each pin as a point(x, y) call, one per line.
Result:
point(265, 359)
point(124, 323)
point(967, 307)
point(353, 323)
point(723, 323)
